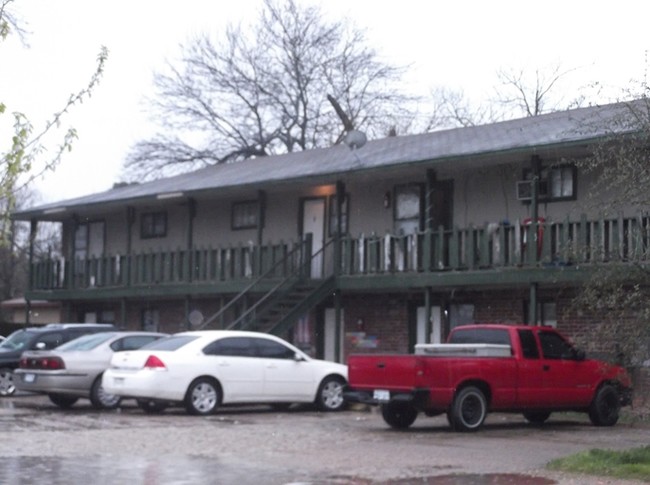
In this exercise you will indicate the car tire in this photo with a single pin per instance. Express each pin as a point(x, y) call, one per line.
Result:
point(202, 397)
point(62, 400)
point(151, 406)
point(7, 386)
point(468, 410)
point(329, 397)
point(605, 407)
point(537, 417)
point(101, 399)
point(398, 415)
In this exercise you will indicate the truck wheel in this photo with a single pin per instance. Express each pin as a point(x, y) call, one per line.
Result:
point(536, 417)
point(398, 415)
point(604, 409)
point(469, 409)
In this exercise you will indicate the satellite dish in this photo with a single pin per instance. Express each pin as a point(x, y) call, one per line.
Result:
point(195, 318)
point(355, 139)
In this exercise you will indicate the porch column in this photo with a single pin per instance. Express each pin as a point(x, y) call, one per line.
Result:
point(337, 324)
point(123, 313)
point(533, 233)
point(191, 214)
point(427, 315)
point(428, 200)
point(33, 226)
point(340, 197)
point(130, 220)
point(532, 310)
point(261, 211)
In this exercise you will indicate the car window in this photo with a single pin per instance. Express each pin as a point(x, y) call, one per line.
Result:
point(132, 342)
point(17, 340)
point(173, 342)
point(480, 336)
point(231, 346)
point(272, 349)
point(528, 344)
point(554, 346)
point(50, 340)
point(87, 342)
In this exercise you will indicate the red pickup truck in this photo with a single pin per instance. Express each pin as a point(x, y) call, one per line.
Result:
point(489, 367)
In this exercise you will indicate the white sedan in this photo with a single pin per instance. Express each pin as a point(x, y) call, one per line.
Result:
point(203, 369)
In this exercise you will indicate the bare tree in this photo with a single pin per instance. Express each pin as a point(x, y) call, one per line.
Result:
point(517, 93)
point(262, 89)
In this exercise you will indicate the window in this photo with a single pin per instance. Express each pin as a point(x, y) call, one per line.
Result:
point(556, 183)
point(233, 347)
point(480, 336)
point(153, 224)
point(273, 350)
point(528, 344)
point(546, 313)
point(345, 210)
point(408, 208)
point(245, 215)
point(554, 346)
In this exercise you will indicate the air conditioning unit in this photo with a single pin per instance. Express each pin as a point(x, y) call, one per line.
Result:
point(525, 189)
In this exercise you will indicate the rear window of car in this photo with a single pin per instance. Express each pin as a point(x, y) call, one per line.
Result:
point(18, 340)
point(480, 336)
point(173, 342)
point(87, 342)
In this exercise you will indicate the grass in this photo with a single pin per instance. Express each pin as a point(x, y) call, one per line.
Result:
point(633, 464)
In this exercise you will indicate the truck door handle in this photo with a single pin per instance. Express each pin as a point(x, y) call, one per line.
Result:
point(546, 367)
point(381, 365)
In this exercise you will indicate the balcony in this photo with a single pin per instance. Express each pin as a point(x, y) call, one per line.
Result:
point(465, 253)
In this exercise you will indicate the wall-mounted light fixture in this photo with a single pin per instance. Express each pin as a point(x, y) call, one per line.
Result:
point(361, 325)
point(387, 200)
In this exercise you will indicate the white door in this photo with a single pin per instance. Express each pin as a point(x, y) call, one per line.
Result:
point(313, 221)
point(330, 334)
point(436, 328)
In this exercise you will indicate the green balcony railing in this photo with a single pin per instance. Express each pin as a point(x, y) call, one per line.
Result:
point(521, 245)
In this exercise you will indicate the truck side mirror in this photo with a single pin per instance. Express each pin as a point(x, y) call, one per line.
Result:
point(579, 354)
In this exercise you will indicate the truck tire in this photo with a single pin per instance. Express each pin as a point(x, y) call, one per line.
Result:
point(468, 410)
point(536, 417)
point(605, 406)
point(398, 415)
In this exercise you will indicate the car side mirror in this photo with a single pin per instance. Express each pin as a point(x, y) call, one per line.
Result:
point(297, 357)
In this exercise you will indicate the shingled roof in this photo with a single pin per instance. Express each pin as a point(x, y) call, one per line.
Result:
point(556, 129)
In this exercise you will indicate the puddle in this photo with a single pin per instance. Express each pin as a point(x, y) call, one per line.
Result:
point(475, 479)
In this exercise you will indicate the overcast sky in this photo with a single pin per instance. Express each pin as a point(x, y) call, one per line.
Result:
point(454, 43)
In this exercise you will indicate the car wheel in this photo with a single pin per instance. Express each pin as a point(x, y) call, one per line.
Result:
point(7, 387)
point(330, 394)
point(151, 406)
point(62, 400)
point(605, 407)
point(536, 417)
point(101, 399)
point(398, 415)
point(468, 410)
point(202, 397)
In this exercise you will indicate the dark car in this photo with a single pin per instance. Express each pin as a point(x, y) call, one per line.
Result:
point(38, 338)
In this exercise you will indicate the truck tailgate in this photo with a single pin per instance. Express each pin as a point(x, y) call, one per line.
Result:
point(385, 371)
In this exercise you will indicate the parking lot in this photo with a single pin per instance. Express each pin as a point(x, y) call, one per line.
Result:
point(254, 445)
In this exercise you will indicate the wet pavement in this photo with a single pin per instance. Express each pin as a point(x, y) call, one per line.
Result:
point(43, 444)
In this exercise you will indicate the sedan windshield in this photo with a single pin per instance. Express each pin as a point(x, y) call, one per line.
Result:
point(87, 342)
point(17, 340)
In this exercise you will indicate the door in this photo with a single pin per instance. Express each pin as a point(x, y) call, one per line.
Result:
point(313, 222)
point(330, 335)
point(436, 328)
point(285, 378)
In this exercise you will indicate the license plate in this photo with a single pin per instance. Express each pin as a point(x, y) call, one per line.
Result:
point(381, 395)
point(29, 378)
